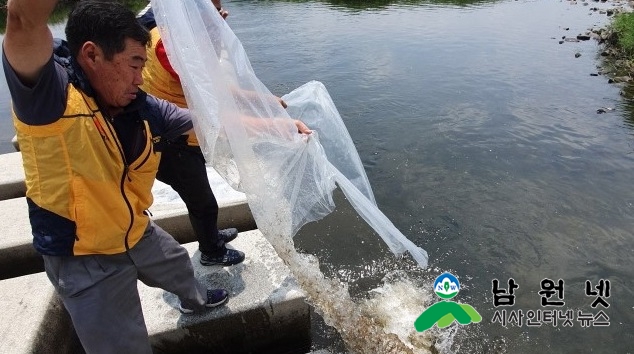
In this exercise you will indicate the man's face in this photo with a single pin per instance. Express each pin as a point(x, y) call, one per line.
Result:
point(117, 81)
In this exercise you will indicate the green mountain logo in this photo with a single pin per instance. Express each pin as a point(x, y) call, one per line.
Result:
point(444, 313)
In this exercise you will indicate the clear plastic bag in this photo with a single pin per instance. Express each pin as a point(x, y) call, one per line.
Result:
point(252, 141)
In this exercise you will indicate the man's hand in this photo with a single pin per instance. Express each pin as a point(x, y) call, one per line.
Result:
point(301, 127)
point(224, 13)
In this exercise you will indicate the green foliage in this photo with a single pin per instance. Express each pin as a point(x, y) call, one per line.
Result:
point(63, 8)
point(623, 28)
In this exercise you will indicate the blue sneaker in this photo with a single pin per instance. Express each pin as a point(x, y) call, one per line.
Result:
point(215, 297)
point(228, 257)
point(228, 235)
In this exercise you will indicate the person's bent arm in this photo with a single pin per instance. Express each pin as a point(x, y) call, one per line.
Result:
point(255, 125)
point(28, 42)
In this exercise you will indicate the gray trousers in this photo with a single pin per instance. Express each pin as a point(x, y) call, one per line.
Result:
point(100, 291)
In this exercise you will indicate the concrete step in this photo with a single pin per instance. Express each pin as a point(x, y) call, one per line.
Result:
point(34, 319)
point(11, 176)
point(18, 257)
point(170, 212)
point(266, 313)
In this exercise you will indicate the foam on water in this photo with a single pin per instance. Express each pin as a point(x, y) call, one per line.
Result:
point(384, 323)
point(331, 299)
point(397, 304)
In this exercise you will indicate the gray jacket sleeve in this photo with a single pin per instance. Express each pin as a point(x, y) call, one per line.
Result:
point(45, 102)
point(176, 120)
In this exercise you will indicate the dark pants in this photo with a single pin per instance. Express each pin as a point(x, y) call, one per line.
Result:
point(100, 291)
point(183, 168)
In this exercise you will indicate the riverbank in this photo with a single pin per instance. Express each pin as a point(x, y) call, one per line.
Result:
point(616, 40)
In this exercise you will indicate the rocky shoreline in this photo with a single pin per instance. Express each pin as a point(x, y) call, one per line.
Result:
point(617, 67)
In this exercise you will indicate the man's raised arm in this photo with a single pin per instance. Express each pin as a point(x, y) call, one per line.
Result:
point(28, 42)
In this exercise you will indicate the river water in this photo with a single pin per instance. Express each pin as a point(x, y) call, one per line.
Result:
point(480, 135)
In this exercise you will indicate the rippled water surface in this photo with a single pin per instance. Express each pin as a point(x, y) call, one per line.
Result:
point(480, 136)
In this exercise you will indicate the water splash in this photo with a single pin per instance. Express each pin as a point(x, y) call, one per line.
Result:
point(382, 324)
point(331, 299)
point(397, 304)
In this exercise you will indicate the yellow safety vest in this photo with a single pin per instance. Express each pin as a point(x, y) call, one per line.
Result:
point(76, 169)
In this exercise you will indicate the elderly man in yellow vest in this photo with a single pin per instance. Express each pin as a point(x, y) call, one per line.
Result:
point(86, 137)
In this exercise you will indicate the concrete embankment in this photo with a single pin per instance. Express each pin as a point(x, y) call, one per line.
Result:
point(266, 313)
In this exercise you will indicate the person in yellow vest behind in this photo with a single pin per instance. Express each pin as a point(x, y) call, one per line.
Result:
point(182, 163)
point(86, 135)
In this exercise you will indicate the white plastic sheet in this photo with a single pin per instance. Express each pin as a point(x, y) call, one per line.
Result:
point(252, 141)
